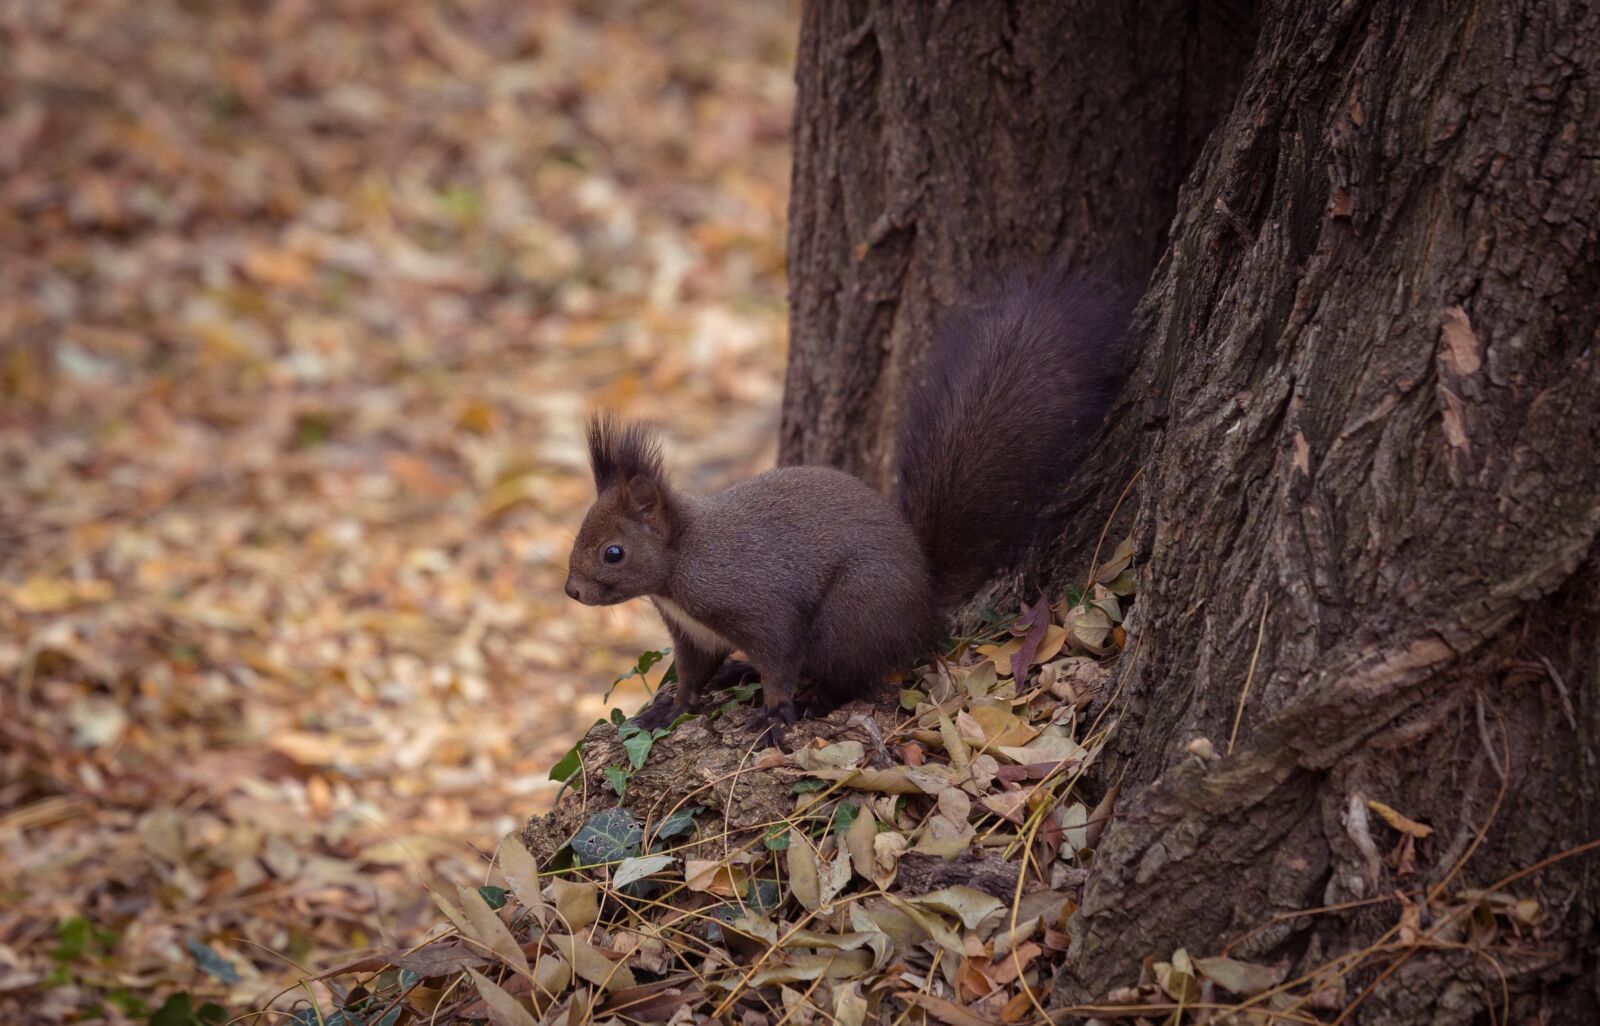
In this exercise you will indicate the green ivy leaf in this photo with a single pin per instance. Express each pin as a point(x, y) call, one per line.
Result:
point(73, 937)
point(179, 1010)
point(777, 838)
point(764, 895)
point(680, 822)
point(494, 897)
point(211, 963)
point(808, 784)
point(845, 815)
point(609, 836)
point(128, 1003)
point(568, 765)
point(617, 777)
point(638, 747)
point(739, 694)
point(641, 667)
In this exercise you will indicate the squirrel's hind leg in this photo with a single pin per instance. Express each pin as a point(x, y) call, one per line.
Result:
point(778, 680)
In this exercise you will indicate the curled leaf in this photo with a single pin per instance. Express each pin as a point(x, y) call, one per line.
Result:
point(1399, 821)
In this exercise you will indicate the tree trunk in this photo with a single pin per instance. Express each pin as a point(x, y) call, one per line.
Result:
point(937, 145)
point(1366, 418)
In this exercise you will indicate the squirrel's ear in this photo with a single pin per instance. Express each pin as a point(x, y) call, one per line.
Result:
point(647, 502)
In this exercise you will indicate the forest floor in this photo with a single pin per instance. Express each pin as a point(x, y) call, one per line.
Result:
point(303, 307)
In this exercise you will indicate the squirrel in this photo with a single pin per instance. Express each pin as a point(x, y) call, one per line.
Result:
point(817, 577)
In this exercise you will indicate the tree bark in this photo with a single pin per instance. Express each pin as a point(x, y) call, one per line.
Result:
point(940, 144)
point(1365, 413)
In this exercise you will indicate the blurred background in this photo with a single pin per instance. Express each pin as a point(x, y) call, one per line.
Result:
point(301, 307)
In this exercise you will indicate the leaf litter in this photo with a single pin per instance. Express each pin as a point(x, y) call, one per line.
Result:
point(840, 879)
point(302, 309)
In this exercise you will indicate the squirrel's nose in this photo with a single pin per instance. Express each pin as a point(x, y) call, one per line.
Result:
point(572, 588)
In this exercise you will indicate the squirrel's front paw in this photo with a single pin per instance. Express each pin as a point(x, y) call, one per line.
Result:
point(770, 722)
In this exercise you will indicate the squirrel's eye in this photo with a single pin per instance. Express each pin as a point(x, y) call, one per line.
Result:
point(612, 554)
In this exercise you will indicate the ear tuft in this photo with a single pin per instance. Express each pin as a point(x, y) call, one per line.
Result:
point(620, 452)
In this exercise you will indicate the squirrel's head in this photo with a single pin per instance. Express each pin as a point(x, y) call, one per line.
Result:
point(621, 551)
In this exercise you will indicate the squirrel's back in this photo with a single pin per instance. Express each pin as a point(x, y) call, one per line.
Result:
point(1015, 385)
point(819, 549)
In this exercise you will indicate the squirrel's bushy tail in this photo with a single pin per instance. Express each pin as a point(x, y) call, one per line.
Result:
point(1016, 385)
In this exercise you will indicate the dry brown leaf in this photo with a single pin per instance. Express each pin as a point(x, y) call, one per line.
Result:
point(887, 848)
point(858, 840)
point(522, 873)
point(804, 879)
point(1243, 978)
point(1400, 822)
point(715, 876)
point(489, 929)
point(1008, 805)
point(1001, 726)
point(941, 1009)
point(577, 902)
point(587, 961)
point(504, 1010)
point(849, 1007)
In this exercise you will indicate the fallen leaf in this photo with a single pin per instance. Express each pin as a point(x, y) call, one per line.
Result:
point(1001, 726)
point(489, 929)
point(1400, 822)
point(803, 876)
point(968, 904)
point(837, 756)
point(1008, 805)
point(1243, 978)
point(522, 873)
point(637, 868)
point(858, 840)
point(941, 1009)
point(504, 1010)
point(1177, 978)
point(716, 876)
point(587, 961)
point(577, 902)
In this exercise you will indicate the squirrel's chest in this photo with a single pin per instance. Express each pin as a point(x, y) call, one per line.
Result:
point(703, 636)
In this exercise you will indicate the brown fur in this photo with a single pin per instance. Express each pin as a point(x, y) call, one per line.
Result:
point(1016, 386)
point(814, 575)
